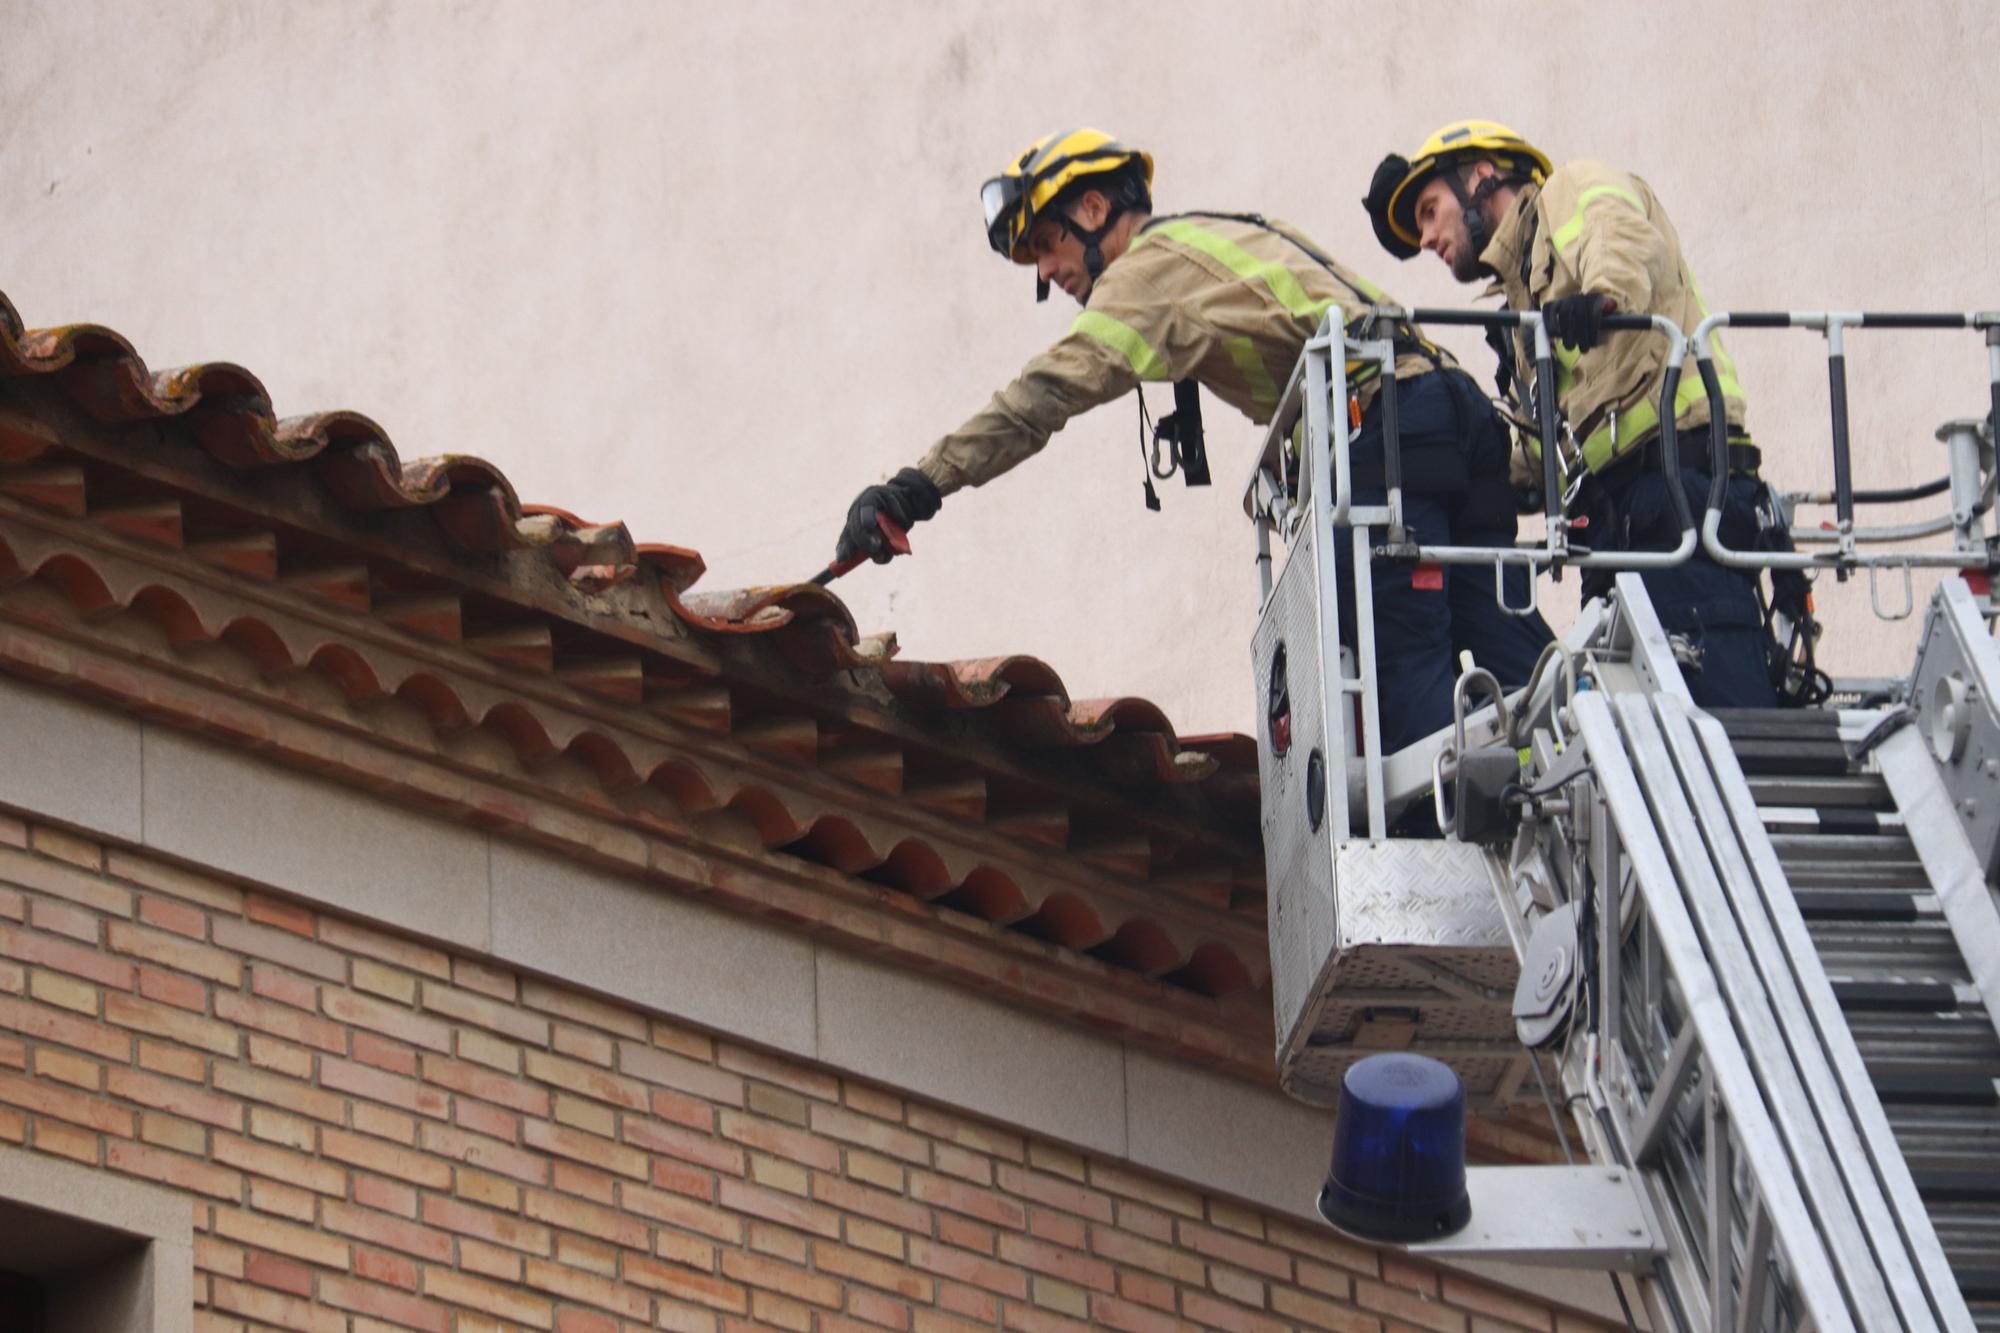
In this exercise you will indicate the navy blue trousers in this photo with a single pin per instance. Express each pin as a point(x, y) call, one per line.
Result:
point(1454, 449)
point(1713, 607)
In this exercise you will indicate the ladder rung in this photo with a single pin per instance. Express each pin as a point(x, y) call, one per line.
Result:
point(1958, 1186)
point(1792, 758)
point(1842, 822)
point(1852, 790)
point(1855, 905)
point(1804, 820)
point(1839, 869)
point(1845, 848)
point(1928, 997)
point(1937, 1089)
point(1776, 721)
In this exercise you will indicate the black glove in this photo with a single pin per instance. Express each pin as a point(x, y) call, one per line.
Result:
point(1578, 320)
point(908, 497)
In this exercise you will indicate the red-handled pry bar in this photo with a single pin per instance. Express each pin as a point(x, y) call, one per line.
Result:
point(899, 544)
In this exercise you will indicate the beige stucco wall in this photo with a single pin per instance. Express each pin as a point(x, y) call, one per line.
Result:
point(709, 268)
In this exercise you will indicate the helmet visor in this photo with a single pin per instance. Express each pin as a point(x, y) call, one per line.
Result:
point(1001, 199)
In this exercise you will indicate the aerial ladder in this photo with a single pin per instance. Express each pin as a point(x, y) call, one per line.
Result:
point(1750, 959)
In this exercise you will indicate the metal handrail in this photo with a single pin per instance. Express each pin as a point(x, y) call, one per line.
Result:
point(1305, 396)
point(1267, 496)
point(1323, 491)
point(1969, 551)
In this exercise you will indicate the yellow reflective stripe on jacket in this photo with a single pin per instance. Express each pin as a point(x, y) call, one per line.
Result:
point(1635, 423)
point(1562, 237)
point(1281, 281)
point(1566, 359)
point(1263, 391)
point(1725, 365)
point(1122, 338)
point(1642, 418)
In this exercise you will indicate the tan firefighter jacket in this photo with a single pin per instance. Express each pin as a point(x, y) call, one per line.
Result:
point(1593, 228)
point(1227, 302)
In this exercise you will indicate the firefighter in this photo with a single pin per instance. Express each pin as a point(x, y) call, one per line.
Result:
point(1578, 242)
point(1229, 300)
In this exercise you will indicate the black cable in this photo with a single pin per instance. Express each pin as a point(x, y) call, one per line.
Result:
point(1618, 1290)
point(1890, 724)
point(1515, 793)
point(1905, 493)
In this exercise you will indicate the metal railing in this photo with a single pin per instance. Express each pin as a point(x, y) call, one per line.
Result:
point(1317, 393)
point(1319, 381)
point(1970, 475)
point(1305, 472)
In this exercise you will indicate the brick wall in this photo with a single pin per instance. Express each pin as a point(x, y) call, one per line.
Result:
point(376, 1134)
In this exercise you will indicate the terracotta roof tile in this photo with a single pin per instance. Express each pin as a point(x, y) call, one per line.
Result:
point(536, 589)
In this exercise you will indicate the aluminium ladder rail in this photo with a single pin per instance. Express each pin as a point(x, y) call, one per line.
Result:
point(1854, 844)
point(1797, 951)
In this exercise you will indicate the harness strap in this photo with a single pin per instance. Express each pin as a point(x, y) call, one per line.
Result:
point(1403, 336)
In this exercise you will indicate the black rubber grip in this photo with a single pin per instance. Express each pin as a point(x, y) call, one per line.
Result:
point(1914, 320)
point(1392, 435)
point(1508, 319)
point(1843, 466)
point(1718, 433)
point(1545, 417)
point(1759, 319)
point(1492, 319)
point(1670, 453)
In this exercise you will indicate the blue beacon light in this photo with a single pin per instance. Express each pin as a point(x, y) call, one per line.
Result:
point(1398, 1170)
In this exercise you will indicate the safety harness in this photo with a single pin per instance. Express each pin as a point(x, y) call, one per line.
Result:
point(1178, 436)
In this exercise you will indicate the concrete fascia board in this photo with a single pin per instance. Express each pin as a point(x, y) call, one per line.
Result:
point(648, 946)
point(212, 805)
point(67, 761)
point(941, 1042)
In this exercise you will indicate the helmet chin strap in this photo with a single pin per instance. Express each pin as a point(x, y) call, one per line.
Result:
point(1473, 204)
point(1093, 247)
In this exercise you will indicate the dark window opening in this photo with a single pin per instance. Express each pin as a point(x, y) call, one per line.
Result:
point(66, 1275)
point(23, 1304)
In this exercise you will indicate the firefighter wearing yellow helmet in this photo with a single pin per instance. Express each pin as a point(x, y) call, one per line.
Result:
point(1227, 301)
point(1577, 242)
point(1022, 193)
